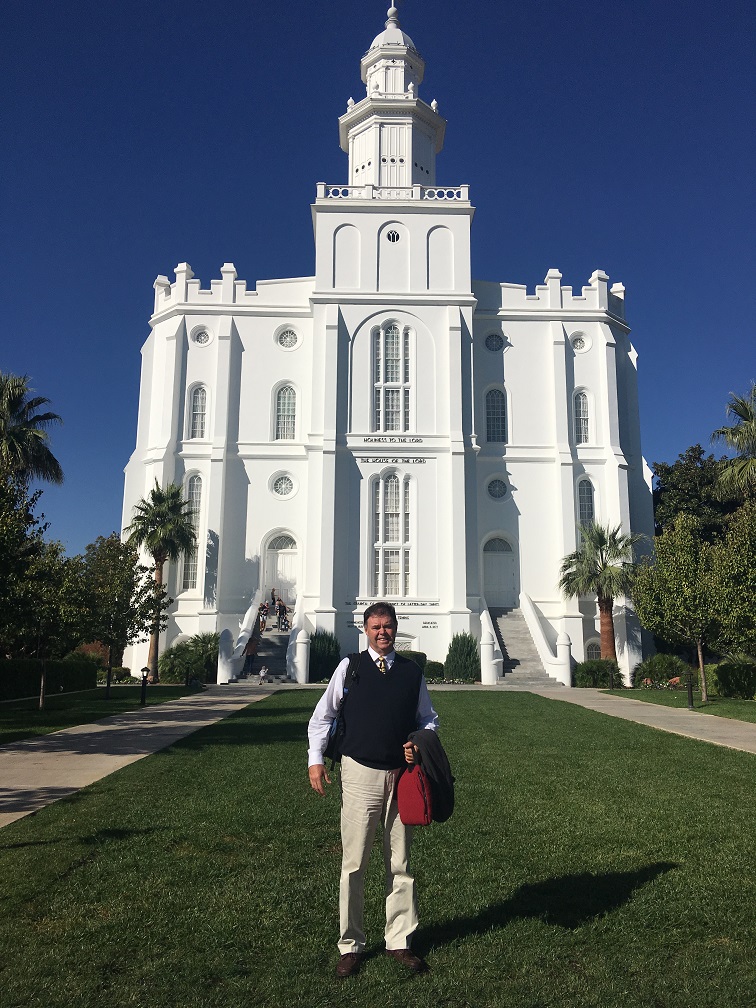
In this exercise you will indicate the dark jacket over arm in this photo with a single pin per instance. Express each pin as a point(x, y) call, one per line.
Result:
point(435, 763)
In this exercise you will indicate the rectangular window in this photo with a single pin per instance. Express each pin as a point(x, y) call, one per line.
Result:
point(391, 356)
point(391, 571)
point(392, 411)
point(406, 572)
point(190, 571)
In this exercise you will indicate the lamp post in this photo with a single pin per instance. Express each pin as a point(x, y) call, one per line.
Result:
point(145, 673)
point(689, 684)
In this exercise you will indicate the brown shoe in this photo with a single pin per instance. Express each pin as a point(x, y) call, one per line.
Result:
point(408, 958)
point(349, 964)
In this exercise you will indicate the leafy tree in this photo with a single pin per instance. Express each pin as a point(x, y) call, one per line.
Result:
point(739, 474)
point(691, 486)
point(162, 525)
point(602, 565)
point(21, 541)
point(734, 567)
point(675, 593)
point(24, 441)
point(121, 596)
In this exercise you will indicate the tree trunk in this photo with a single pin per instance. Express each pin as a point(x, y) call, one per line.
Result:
point(606, 622)
point(702, 672)
point(152, 658)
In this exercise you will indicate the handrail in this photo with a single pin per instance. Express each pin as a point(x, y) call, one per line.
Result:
point(558, 665)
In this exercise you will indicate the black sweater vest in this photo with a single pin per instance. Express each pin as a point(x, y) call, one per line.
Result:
point(380, 712)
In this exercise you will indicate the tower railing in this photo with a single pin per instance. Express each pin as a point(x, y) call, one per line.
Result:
point(449, 194)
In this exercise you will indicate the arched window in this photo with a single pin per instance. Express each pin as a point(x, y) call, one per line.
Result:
point(580, 413)
point(496, 416)
point(191, 564)
point(282, 542)
point(497, 546)
point(391, 546)
point(286, 413)
point(592, 651)
point(391, 379)
point(198, 412)
point(586, 511)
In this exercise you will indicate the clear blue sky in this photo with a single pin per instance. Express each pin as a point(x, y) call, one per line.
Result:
point(141, 134)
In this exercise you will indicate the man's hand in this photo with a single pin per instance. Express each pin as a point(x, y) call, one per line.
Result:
point(410, 753)
point(318, 778)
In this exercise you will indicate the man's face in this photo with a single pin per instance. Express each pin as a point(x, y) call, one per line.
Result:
point(381, 632)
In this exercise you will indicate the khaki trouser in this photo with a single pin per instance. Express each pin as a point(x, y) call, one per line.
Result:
point(367, 798)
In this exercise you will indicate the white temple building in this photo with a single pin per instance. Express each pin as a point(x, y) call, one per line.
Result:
point(390, 428)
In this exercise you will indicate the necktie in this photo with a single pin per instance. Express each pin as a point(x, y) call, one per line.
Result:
point(382, 665)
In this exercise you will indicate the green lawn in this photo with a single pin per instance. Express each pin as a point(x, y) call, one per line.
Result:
point(590, 862)
point(740, 710)
point(21, 719)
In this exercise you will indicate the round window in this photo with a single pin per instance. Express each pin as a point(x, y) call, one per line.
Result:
point(497, 489)
point(202, 336)
point(580, 342)
point(288, 339)
point(283, 486)
point(495, 342)
point(393, 237)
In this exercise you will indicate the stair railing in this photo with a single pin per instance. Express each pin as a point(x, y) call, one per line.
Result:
point(558, 665)
point(491, 658)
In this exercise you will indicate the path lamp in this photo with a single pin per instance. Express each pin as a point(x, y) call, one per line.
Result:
point(689, 684)
point(145, 673)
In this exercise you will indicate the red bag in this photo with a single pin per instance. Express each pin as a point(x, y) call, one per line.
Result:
point(413, 795)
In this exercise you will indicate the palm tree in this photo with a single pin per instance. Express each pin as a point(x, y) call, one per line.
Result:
point(602, 565)
point(739, 474)
point(163, 525)
point(24, 441)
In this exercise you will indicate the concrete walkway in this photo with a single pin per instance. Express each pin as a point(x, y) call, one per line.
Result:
point(704, 727)
point(39, 771)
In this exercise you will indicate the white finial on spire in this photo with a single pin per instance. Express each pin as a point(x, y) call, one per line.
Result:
point(393, 17)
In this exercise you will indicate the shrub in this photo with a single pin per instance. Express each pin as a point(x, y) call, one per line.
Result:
point(434, 670)
point(736, 678)
point(462, 659)
point(597, 673)
point(325, 655)
point(20, 677)
point(662, 671)
point(418, 657)
point(196, 658)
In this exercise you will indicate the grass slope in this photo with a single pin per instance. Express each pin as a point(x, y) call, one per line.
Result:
point(589, 862)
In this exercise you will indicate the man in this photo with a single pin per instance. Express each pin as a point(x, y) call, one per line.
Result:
point(387, 700)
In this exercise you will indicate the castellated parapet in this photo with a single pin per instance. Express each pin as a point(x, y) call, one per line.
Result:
point(228, 290)
point(491, 296)
point(551, 296)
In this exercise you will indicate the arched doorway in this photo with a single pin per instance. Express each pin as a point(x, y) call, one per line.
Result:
point(281, 568)
point(500, 574)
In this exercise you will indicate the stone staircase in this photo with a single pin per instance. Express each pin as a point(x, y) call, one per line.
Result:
point(522, 667)
point(271, 654)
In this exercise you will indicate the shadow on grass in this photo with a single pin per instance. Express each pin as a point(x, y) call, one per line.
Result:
point(95, 839)
point(568, 901)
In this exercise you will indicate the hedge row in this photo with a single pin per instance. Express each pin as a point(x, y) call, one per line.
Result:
point(20, 677)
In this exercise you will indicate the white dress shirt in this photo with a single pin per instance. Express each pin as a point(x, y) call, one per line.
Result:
point(328, 705)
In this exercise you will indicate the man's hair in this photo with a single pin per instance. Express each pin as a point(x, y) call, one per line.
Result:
point(380, 609)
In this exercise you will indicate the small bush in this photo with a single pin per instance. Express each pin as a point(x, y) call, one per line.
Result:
point(196, 658)
point(598, 673)
point(325, 655)
point(462, 660)
point(418, 657)
point(662, 671)
point(736, 678)
point(434, 670)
